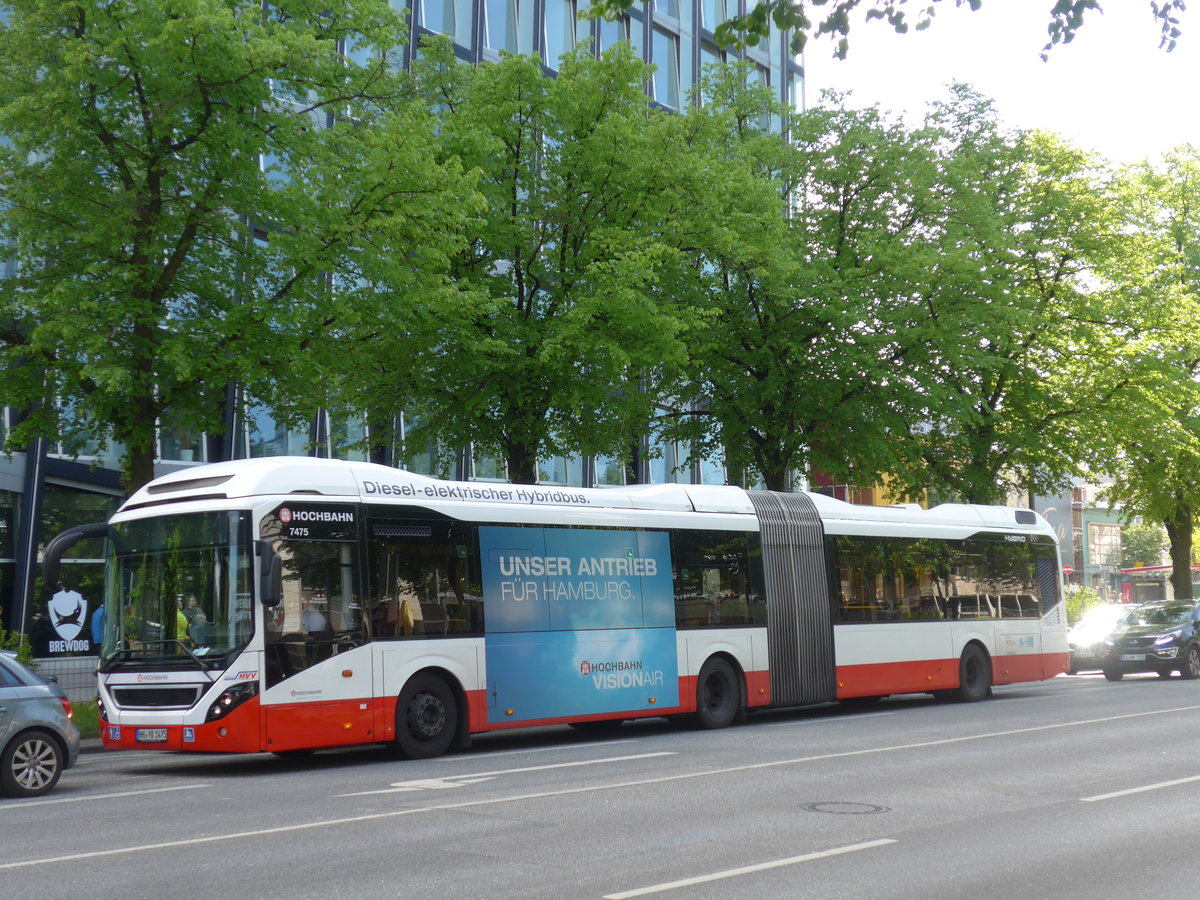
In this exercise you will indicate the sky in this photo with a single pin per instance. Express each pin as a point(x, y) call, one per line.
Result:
point(1112, 89)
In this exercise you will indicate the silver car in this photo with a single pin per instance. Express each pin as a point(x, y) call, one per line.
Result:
point(37, 737)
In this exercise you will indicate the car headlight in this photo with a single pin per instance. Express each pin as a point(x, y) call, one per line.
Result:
point(1166, 638)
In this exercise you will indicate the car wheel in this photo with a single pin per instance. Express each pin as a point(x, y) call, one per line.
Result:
point(1113, 675)
point(1191, 662)
point(31, 766)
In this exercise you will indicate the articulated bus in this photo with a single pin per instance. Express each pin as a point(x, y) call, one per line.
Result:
point(290, 604)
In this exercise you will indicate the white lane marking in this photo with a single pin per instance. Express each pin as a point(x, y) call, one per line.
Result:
point(565, 792)
point(825, 720)
point(573, 746)
point(452, 781)
point(1139, 790)
point(162, 790)
point(746, 870)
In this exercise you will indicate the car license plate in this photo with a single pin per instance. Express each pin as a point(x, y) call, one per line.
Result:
point(1132, 657)
point(150, 735)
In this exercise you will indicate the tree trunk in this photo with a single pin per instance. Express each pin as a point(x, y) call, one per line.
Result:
point(522, 463)
point(1179, 530)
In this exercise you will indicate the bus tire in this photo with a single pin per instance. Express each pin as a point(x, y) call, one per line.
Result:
point(426, 717)
point(974, 675)
point(718, 694)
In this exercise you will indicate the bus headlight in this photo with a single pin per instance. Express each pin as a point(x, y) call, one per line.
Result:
point(103, 713)
point(231, 700)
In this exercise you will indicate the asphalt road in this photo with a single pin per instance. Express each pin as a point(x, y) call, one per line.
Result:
point(1071, 788)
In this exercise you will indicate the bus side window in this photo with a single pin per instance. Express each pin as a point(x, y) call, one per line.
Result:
point(714, 584)
point(422, 579)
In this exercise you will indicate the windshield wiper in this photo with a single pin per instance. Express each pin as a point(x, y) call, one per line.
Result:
point(129, 654)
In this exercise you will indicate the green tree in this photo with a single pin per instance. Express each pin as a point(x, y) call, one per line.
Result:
point(815, 18)
point(555, 340)
point(1142, 543)
point(796, 343)
point(1028, 352)
point(180, 183)
point(1157, 463)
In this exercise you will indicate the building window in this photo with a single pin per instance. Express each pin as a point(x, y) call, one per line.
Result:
point(1104, 543)
point(666, 76)
point(347, 438)
point(508, 25)
point(559, 35)
point(487, 467)
point(449, 17)
point(416, 456)
point(267, 437)
point(609, 471)
point(712, 470)
point(714, 12)
point(611, 33)
point(180, 444)
point(797, 98)
point(564, 470)
point(79, 438)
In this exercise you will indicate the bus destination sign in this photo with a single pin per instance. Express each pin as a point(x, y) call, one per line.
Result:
point(311, 522)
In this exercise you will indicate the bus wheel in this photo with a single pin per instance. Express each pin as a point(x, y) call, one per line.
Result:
point(426, 717)
point(718, 698)
point(974, 675)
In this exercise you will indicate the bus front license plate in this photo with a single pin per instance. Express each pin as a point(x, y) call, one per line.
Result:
point(150, 735)
point(1132, 657)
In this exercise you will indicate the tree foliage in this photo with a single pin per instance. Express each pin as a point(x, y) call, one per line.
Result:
point(555, 339)
point(805, 19)
point(1142, 544)
point(179, 181)
point(796, 339)
point(1157, 460)
point(1028, 350)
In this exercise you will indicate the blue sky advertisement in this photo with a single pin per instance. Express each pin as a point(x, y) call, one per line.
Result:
point(580, 622)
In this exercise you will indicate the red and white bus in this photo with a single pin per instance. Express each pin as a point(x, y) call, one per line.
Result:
point(292, 604)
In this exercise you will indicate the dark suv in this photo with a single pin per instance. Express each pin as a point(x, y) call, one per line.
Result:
point(1156, 637)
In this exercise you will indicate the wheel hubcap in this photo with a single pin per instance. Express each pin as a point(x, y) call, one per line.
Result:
point(428, 715)
point(34, 765)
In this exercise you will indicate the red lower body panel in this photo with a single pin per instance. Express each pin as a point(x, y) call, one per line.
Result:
point(237, 732)
point(879, 679)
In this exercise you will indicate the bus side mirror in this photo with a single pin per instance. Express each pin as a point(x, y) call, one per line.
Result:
point(53, 554)
point(270, 586)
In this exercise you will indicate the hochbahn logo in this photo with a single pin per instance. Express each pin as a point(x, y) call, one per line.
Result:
point(313, 515)
point(621, 673)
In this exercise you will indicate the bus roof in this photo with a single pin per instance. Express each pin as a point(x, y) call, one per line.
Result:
point(366, 482)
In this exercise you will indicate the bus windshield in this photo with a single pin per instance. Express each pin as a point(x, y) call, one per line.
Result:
point(178, 590)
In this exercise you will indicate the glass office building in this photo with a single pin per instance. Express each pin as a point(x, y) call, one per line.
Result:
point(675, 35)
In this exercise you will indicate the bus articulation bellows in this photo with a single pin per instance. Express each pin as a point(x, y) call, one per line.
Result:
point(292, 604)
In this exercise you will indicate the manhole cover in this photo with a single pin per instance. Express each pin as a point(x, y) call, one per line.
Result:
point(845, 808)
